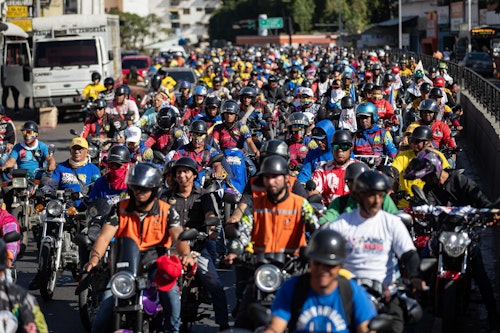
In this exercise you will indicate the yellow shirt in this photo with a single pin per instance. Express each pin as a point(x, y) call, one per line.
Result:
point(92, 90)
point(401, 163)
point(406, 72)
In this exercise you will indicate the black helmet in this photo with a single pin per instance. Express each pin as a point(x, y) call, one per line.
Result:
point(389, 77)
point(127, 89)
point(248, 92)
point(429, 105)
point(198, 126)
point(121, 90)
point(298, 118)
point(392, 174)
point(156, 81)
point(187, 163)
point(406, 81)
point(272, 79)
point(166, 118)
point(425, 88)
point(370, 180)
point(368, 86)
point(327, 247)
point(355, 169)
point(144, 175)
point(30, 125)
point(95, 76)
point(433, 70)
point(274, 147)
point(3, 255)
point(306, 83)
point(118, 154)
point(294, 69)
point(99, 104)
point(275, 165)
point(212, 101)
point(422, 133)
point(436, 92)
point(167, 167)
point(230, 106)
point(217, 79)
point(341, 137)
point(376, 66)
point(109, 81)
point(347, 102)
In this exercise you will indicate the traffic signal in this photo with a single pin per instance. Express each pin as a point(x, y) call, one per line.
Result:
point(251, 24)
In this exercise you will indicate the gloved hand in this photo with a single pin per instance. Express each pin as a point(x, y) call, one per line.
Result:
point(148, 154)
point(117, 125)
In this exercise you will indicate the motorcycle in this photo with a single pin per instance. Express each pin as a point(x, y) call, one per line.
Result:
point(137, 306)
point(193, 293)
point(57, 249)
point(452, 245)
point(93, 284)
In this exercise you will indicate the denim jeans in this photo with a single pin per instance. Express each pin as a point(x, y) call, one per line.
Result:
point(170, 301)
point(211, 281)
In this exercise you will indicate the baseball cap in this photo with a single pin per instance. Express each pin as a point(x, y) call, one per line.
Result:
point(133, 134)
point(79, 141)
point(318, 133)
point(168, 269)
point(306, 92)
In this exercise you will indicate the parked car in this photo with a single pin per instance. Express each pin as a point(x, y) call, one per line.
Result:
point(141, 62)
point(479, 62)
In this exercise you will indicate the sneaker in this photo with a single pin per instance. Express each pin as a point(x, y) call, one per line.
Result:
point(35, 282)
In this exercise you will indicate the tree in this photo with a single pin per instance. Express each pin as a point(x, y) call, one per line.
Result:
point(302, 13)
point(135, 30)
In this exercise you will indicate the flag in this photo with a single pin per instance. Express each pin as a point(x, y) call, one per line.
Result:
point(391, 97)
point(352, 92)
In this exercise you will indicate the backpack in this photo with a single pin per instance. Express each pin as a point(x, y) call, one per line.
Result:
point(300, 295)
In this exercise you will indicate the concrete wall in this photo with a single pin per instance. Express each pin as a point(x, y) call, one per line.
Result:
point(483, 136)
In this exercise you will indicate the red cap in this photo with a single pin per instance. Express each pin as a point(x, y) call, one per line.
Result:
point(368, 74)
point(169, 268)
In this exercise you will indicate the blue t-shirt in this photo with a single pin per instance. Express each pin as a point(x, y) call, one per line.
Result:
point(28, 157)
point(323, 313)
point(101, 189)
point(66, 177)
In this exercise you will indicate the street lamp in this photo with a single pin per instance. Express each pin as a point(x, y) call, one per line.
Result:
point(340, 24)
point(400, 26)
point(469, 14)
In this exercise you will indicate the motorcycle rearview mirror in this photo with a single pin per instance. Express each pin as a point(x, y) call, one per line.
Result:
point(407, 219)
point(212, 221)
point(232, 231)
point(188, 234)
point(310, 185)
point(74, 132)
point(230, 198)
point(187, 122)
point(12, 237)
point(397, 140)
point(159, 156)
point(418, 193)
point(52, 149)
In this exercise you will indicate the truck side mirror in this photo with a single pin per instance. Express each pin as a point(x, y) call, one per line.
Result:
point(111, 55)
point(26, 73)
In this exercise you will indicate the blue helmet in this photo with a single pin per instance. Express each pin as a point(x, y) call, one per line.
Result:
point(201, 90)
point(185, 85)
point(368, 109)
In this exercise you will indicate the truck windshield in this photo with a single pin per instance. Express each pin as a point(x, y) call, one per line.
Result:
point(66, 53)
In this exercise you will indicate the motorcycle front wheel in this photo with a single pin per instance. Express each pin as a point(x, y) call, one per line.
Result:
point(22, 218)
point(48, 273)
point(88, 302)
point(450, 310)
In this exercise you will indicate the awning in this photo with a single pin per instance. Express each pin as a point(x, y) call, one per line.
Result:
point(14, 30)
point(394, 22)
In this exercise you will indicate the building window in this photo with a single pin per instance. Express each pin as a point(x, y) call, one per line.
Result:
point(186, 11)
point(176, 25)
point(199, 9)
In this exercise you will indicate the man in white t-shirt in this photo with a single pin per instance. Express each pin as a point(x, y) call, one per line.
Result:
point(374, 236)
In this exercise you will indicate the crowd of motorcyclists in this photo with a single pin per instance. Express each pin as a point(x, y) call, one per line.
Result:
point(302, 156)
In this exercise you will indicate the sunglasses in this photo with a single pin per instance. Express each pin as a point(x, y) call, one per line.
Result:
point(344, 147)
point(416, 141)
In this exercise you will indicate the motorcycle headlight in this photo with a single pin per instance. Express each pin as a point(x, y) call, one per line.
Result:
point(93, 232)
point(54, 208)
point(454, 243)
point(92, 152)
point(123, 285)
point(268, 278)
point(19, 183)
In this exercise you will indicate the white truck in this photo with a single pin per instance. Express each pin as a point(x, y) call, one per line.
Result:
point(67, 49)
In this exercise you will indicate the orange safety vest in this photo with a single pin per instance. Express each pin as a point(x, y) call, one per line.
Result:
point(278, 227)
point(152, 232)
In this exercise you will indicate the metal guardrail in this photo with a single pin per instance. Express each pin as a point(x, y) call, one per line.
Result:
point(485, 92)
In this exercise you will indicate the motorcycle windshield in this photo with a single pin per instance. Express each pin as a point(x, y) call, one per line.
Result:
point(128, 256)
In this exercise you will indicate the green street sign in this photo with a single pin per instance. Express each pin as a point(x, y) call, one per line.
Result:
point(271, 23)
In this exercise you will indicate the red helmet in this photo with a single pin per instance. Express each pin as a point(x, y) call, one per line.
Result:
point(395, 70)
point(439, 82)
